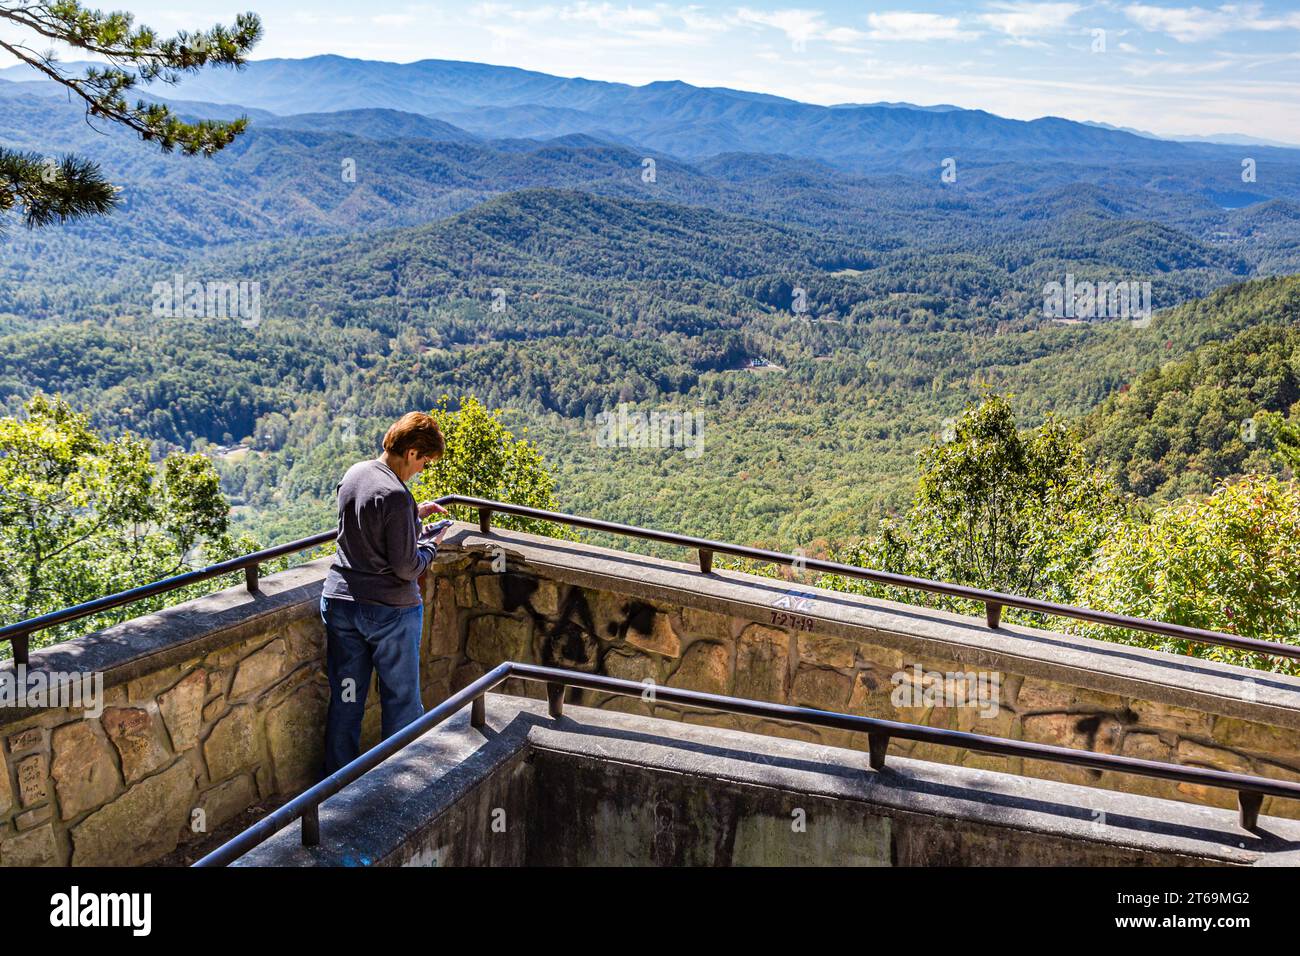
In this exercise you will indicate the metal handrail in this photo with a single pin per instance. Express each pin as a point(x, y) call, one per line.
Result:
point(18, 634)
point(993, 601)
point(1250, 790)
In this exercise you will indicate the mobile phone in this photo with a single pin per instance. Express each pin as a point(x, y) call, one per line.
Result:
point(433, 530)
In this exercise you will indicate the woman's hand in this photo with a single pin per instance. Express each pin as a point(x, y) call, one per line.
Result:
point(431, 508)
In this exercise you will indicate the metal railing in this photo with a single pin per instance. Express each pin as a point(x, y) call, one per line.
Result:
point(993, 601)
point(18, 635)
point(1250, 790)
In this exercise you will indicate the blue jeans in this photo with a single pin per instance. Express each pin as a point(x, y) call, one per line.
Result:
point(362, 636)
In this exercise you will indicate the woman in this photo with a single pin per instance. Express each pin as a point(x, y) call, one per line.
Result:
point(371, 602)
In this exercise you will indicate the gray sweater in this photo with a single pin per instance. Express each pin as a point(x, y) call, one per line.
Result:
point(378, 559)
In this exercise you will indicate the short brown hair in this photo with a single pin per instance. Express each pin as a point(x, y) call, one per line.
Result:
point(415, 430)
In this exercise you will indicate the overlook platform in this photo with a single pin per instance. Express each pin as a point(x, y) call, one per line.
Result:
point(216, 707)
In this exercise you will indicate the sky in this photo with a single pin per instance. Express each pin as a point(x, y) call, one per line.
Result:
point(1166, 68)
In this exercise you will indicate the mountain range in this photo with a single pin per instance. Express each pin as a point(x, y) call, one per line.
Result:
point(671, 116)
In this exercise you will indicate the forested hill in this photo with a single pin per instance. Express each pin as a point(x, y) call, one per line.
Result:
point(601, 301)
point(570, 262)
point(355, 172)
point(1181, 428)
point(550, 247)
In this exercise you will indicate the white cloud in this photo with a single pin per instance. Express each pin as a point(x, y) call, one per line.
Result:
point(799, 26)
point(608, 17)
point(628, 19)
point(1186, 25)
point(1029, 19)
point(696, 19)
point(1194, 24)
point(1175, 68)
point(902, 25)
point(843, 35)
point(1025, 43)
point(305, 18)
point(502, 11)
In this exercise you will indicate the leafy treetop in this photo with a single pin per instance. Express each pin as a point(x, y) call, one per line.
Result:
point(485, 460)
point(1000, 508)
point(1229, 562)
point(82, 516)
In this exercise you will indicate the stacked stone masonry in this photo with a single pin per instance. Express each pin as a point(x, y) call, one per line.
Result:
point(519, 616)
point(180, 750)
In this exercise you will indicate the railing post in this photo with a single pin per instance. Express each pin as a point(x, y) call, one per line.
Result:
point(993, 613)
point(20, 644)
point(877, 745)
point(555, 699)
point(478, 712)
point(706, 561)
point(1248, 803)
point(484, 520)
point(311, 825)
point(250, 579)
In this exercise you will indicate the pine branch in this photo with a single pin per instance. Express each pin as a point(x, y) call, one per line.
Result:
point(53, 191)
point(73, 187)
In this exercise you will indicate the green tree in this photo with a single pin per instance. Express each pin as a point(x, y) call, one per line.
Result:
point(485, 460)
point(52, 190)
point(1229, 562)
point(999, 508)
point(1285, 436)
point(82, 516)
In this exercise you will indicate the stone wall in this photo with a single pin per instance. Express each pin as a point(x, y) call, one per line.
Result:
point(665, 623)
point(209, 708)
point(218, 705)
